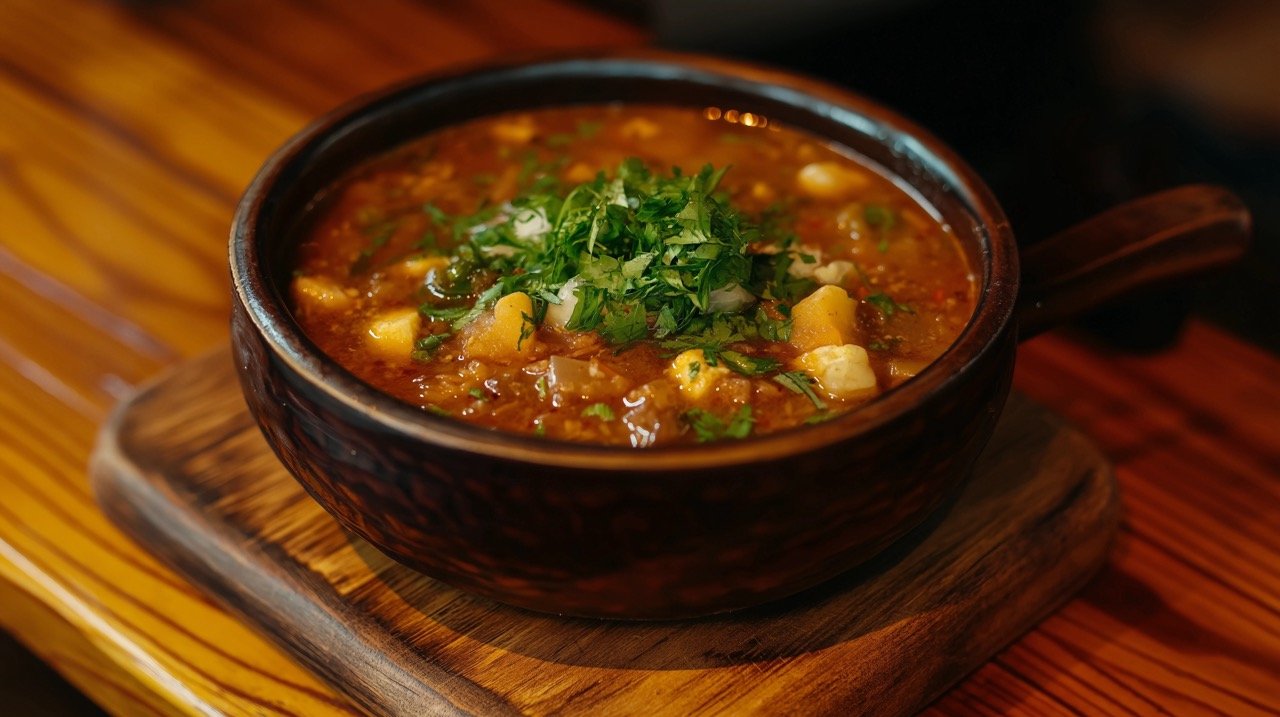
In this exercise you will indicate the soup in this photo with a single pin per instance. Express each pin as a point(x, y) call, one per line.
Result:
point(628, 275)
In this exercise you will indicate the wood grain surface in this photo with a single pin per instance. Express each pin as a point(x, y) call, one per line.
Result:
point(184, 469)
point(127, 130)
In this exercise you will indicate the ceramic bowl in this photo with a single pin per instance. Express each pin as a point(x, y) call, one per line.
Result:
point(688, 530)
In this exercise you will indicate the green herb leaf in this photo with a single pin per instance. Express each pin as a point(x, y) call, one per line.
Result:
point(599, 410)
point(887, 306)
point(800, 382)
point(426, 347)
point(707, 426)
point(880, 216)
point(884, 220)
point(379, 234)
point(748, 365)
point(528, 327)
point(624, 324)
point(443, 313)
point(477, 393)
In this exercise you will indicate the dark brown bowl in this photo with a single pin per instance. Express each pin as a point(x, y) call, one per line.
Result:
point(668, 532)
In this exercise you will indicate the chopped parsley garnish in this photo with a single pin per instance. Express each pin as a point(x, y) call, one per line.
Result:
point(886, 305)
point(651, 256)
point(880, 216)
point(379, 234)
point(426, 347)
point(801, 383)
point(884, 344)
point(747, 365)
point(445, 313)
point(883, 219)
point(598, 410)
point(707, 426)
point(477, 393)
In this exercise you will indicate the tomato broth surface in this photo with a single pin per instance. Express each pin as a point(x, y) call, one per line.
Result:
point(628, 274)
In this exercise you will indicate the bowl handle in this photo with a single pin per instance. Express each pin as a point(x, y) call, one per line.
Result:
point(1155, 240)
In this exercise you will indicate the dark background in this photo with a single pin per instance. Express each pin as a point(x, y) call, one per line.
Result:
point(1066, 107)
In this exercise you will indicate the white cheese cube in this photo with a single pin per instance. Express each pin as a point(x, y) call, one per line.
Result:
point(843, 372)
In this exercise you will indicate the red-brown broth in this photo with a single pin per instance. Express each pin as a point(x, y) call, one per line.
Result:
point(350, 269)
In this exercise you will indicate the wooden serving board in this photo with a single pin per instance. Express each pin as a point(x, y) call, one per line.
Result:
point(181, 466)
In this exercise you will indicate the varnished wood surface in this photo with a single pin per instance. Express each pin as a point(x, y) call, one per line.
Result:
point(183, 468)
point(127, 131)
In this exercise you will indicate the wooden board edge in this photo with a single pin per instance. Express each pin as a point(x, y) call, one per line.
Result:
point(1093, 556)
point(143, 509)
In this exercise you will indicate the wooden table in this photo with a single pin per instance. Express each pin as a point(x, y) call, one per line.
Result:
point(127, 131)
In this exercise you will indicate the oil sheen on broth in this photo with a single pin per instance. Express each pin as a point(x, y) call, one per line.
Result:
point(628, 274)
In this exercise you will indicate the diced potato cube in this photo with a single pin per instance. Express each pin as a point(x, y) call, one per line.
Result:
point(517, 130)
point(393, 333)
point(429, 179)
point(824, 318)
point(829, 180)
point(313, 292)
point(640, 128)
point(419, 266)
point(761, 191)
point(695, 377)
point(505, 334)
point(843, 372)
point(579, 172)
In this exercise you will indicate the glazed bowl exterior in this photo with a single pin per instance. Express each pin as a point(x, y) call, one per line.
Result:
point(607, 531)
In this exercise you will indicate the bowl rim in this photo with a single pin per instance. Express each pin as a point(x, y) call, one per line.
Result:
point(265, 307)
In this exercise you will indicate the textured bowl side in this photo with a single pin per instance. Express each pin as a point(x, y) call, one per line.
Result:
point(640, 544)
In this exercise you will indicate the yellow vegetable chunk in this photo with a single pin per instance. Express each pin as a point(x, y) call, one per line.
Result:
point(695, 377)
point(829, 180)
point(824, 318)
point(417, 267)
point(763, 192)
point(517, 130)
point(640, 128)
point(316, 293)
point(579, 172)
point(843, 372)
point(392, 334)
point(498, 338)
